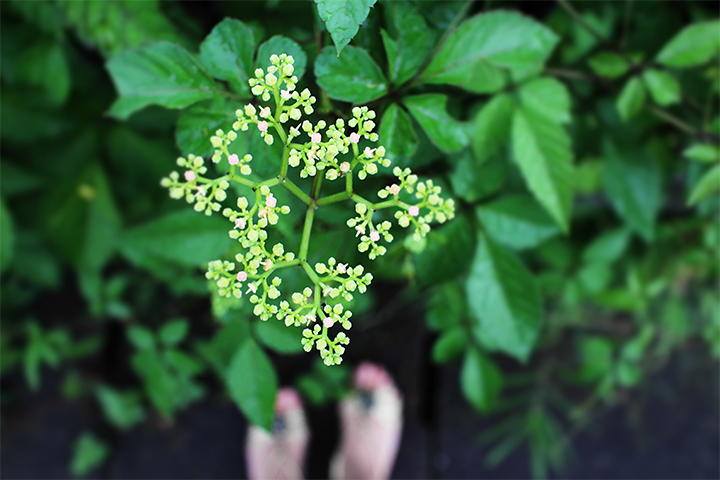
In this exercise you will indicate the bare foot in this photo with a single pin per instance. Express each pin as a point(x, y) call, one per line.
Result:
point(371, 419)
point(279, 454)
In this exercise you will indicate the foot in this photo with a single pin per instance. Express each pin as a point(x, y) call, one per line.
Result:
point(280, 453)
point(371, 420)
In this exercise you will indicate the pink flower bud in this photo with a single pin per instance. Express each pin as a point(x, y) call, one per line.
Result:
point(328, 322)
point(271, 201)
point(414, 211)
point(342, 267)
point(360, 230)
point(345, 167)
point(189, 175)
point(251, 288)
point(374, 236)
point(241, 276)
point(285, 94)
point(394, 189)
point(240, 223)
point(315, 138)
point(265, 112)
point(354, 137)
point(369, 152)
point(233, 159)
point(262, 126)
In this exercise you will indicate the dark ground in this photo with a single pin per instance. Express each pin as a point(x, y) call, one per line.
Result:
point(669, 429)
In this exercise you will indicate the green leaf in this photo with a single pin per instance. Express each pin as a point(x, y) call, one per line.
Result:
point(708, 184)
point(227, 53)
point(542, 151)
point(608, 247)
point(343, 18)
point(702, 152)
point(198, 123)
point(15, 181)
point(596, 358)
point(7, 237)
point(88, 453)
point(664, 88)
point(480, 54)
point(397, 134)
point(631, 99)
point(252, 383)
point(352, 77)
point(44, 65)
point(504, 298)
point(446, 253)
point(608, 64)
point(278, 44)
point(173, 332)
point(492, 127)
point(692, 46)
point(546, 98)
point(633, 184)
point(184, 364)
point(141, 338)
point(276, 336)
point(158, 74)
point(186, 238)
point(450, 345)
point(407, 53)
point(516, 221)
point(430, 112)
point(121, 409)
point(473, 180)
point(446, 307)
point(480, 380)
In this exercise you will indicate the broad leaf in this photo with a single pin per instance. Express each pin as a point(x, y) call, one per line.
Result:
point(633, 184)
point(486, 49)
point(491, 128)
point(141, 338)
point(121, 409)
point(44, 65)
point(88, 453)
point(343, 18)
point(692, 46)
point(7, 237)
point(664, 88)
point(278, 44)
point(473, 180)
point(542, 150)
point(708, 184)
point(198, 123)
point(278, 337)
point(397, 134)
point(158, 74)
point(408, 51)
point(631, 99)
point(253, 384)
point(446, 253)
point(608, 64)
point(504, 298)
point(450, 345)
point(546, 98)
point(480, 380)
point(173, 332)
point(430, 112)
point(446, 307)
point(608, 247)
point(352, 77)
point(516, 221)
point(227, 53)
point(701, 152)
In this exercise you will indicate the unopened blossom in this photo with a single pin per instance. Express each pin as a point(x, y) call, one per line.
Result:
point(285, 94)
point(342, 267)
point(189, 175)
point(374, 236)
point(360, 230)
point(315, 137)
point(369, 152)
point(240, 223)
point(233, 159)
point(414, 211)
point(345, 167)
point(242, 276)
point(271, 201)
point(309, 318)
point(252, 288)
point(328, 322)
point(267, 264)
point(354, 137)
point(263, 126)
point(395, 189)
point(265, 112)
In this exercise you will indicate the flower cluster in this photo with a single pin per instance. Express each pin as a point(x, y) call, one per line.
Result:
point(204, 193)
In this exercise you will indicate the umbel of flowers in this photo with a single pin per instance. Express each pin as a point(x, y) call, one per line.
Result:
point(324, 152)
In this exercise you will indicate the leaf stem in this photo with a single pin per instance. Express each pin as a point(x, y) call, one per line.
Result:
point(307, 228)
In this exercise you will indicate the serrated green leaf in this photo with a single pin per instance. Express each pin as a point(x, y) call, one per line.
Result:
point(517, 221)
point(407, 53)
point(692, 46)
point(480, 380)
point(252, 383)
point(158, 73)
point(633, 184)
point(397, 134)
point(708, 184)
point(121, 409)
point(546, 98)
point(278, 337)
point(608, 247)
point(227, 53)
point(491, 128)
point(141, 338)
point(7, 237)
point(186, 238)
point(278, 44)
point(173, 332)
point(702, 152)
point(352, 77)
point(198, 123)
point(343, 18)
point(473, 180)
point(631, 99)
point(504, 299)
point(608, 64)
point(487, 49)
point(542, 151)
point(88, 453)
point(664, 88)
point(446, 253)
point(430, 112)
point(450, 345)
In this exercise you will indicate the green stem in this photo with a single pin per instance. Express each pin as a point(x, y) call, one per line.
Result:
point(307, 228)
point(337, 197)
point(271, 182)
point(317, 185)
point(290, 185)
point(671, 119)
point(565, 4)
point(243, 181)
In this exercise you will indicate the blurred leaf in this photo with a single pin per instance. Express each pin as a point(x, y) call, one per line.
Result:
point(608, 64)
point(278, 337)
point(16, 181)
point(198, 123)
point(220, 350)
point(353, 77)
point(446, 253)
point(412, 44)
point(88, 453)
point(430, 111)
point(480, 380)
point(594, 277)
point(708, 184)
point(44, 65)
point(253, 384)
point(7, 237)
point(631, 99)
point(702, 152)
point(343, 18)
point(278, 44)
point(446, 307)
point(480, 54)
point(633, 184)
point(492, 127)
point(628, 375)
point(516, 221)
point(397, 134)
point(160, 385)
point(596, 358)
point(664, 88)
point(184, 365)
point(227, 53)
point(121, 409)
point(141, 338)
point(504, 298)
point(692, 46)
point(450, 345)
point(542, 150)
point(173, 332)
point(473, 180)
point(158, 73)
point(546, 98)
point(608, 247)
